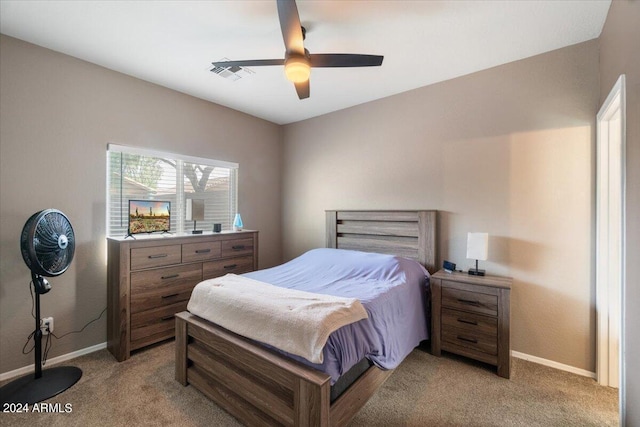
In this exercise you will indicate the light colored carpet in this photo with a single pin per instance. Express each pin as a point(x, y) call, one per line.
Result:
point(424, 391)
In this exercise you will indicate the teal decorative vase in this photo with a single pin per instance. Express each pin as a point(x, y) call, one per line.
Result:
point(237, 223)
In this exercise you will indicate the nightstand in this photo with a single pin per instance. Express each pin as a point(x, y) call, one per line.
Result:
point(470, 316)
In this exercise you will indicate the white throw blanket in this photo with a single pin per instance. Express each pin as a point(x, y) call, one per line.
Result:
point(294, 321)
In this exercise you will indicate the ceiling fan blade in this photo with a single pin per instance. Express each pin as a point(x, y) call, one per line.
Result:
point(344, 60)
point(249, 63)
point(303, 89)
point(290, 26)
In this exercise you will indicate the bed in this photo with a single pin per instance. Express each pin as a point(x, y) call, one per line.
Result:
point(261, 386)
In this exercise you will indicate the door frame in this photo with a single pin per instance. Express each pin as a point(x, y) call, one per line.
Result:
point(610, 225)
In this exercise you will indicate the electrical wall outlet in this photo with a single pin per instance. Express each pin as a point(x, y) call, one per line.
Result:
point(47, 325)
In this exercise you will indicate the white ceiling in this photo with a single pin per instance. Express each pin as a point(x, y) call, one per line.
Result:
point(172, 43)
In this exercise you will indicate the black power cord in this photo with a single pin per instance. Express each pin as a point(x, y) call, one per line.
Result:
point(31, 335)
point(49, 342)
point(83, 328)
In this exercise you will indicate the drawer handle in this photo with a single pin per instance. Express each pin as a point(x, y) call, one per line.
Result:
point(469, 302)
point(158, 256)
point(230, 267)
point(471, 340)
point(469, 322)
point(170, 296)
point(203, 251)
point(237, 247)
point(172, 276)
point(165, 318)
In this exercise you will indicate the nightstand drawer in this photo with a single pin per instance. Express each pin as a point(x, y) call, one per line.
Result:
point(156, 256)
point(474, 302)
point(201, 251)
point(469, 340)
point(473, 323)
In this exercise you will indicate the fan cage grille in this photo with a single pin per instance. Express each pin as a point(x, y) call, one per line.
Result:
point(48, 243)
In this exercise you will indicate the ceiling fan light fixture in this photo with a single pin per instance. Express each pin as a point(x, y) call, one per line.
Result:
point(297, 69)
point(297, 60)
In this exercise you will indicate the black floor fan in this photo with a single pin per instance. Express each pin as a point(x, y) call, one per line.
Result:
point(47, 244)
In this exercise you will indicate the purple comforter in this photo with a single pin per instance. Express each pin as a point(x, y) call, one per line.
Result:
point(392, 290)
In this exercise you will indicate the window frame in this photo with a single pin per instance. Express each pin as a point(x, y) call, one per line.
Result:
point(178, 209)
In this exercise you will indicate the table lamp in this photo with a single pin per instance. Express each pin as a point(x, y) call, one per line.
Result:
point(195, 212)
point(477, 248)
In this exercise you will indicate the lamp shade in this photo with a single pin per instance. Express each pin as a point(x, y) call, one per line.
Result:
point(477, 246)
point(195, 210)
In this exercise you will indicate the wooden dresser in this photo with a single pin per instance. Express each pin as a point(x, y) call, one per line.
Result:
point(150, 279)
point(470, 316)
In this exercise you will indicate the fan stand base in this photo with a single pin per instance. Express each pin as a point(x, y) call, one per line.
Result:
point(29, 390)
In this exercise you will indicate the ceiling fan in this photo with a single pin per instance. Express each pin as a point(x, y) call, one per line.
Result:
point(297, 60)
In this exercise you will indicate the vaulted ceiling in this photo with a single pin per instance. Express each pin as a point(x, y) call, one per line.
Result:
point(172, 43)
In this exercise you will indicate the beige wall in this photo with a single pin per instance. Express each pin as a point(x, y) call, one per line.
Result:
point(57, 116)
point(620, 54)
point(509, 151)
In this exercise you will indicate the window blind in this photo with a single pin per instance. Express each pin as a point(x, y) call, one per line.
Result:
point(141, 174)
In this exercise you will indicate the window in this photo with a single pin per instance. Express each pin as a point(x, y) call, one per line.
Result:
point(140, 174)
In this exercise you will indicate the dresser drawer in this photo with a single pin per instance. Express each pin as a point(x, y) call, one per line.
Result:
point(473, 341)
point(160, 298)
point(474, 302)
point(237, 247)
point(163, 287)
point(157, 315)
point(164, 334)
point(219, 268)
point(159, 278)
point(201, 251)
point(154, 325)
point(156, 256)
point(473, 323)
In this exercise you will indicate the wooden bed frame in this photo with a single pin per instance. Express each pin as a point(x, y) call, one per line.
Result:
point(261, 387)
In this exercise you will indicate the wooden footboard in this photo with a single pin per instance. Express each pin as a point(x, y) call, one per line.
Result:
point(259, 386)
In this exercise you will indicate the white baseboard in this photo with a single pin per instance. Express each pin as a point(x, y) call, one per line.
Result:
point(552, 364)
point(82, 352)
point(29, 369)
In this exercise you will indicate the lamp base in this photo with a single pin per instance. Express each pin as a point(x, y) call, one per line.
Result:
point(476, 272)
point(196, 232)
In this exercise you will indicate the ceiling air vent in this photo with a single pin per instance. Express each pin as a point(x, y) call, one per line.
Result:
point(231, 73)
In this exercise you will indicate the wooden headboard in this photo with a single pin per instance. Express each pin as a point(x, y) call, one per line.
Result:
point(410, 234)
